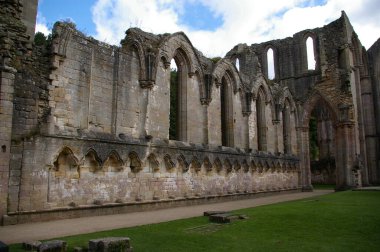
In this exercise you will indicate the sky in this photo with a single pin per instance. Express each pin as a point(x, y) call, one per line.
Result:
point(213, 26)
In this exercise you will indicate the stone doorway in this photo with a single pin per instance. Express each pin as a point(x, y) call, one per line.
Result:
point(322, 146)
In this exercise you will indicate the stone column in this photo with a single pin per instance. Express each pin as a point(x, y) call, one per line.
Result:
point(205, 126)
point(7, 76)
point(246, 117)
point(345, 154)
point(304, 154)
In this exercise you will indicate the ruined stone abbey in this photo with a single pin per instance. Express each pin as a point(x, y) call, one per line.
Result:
point(84, 126)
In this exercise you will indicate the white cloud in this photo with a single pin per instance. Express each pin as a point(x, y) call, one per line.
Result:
point(41, 25)
point(245, 21)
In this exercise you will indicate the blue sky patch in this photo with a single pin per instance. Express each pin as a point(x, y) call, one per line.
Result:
point(199, 17)
point(313, 3)
point(77, 11)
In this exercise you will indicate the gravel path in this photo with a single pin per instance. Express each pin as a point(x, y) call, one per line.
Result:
point(52, 229)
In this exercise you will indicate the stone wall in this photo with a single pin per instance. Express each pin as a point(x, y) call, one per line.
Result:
point(59, 172)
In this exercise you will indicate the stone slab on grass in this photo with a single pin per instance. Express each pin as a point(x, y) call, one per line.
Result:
point(108, 244)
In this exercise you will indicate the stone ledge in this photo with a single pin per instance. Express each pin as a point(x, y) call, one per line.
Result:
point(13, 218)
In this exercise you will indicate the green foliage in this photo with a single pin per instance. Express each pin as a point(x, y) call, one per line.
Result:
point(313, 139)
point(39, 39)
point(173, 104)
point(215, 59)
point(344, 221)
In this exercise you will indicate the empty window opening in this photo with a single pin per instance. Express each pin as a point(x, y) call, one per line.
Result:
point(173, 118)
point(237, 64)
point(226, 113)
point(310, 53)
point(4, 148)
point(270, 62)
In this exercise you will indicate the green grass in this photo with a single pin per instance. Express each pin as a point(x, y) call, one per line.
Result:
point(343, 221)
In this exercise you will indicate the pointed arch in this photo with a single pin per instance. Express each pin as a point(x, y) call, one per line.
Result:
point(135, 45)
point(310, 104)
point(261, 122)
point(271, 67)
point(113, 163)
point(195, 164)
point(66, 164)
point(254, 165)
point(134, 162)
point(310, 51)
point(228, 166)
point(287, 95)
point(236, 165)
point(227, 112)
point(217, 165)
point(154, 164)
point(177, 40)
point(178, 97)
point(260, 166)
point(169, 164)
point(223, 67)
point(245, 166)
point(207, 164)
point(182, 163)
point(92, 161)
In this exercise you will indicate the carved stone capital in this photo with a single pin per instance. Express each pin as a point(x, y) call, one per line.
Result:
point(205, 101)
point(166, 64)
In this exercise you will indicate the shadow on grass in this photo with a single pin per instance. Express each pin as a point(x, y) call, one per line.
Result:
point(324, 186)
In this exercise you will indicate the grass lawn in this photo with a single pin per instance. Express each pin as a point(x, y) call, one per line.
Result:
point(343, 221)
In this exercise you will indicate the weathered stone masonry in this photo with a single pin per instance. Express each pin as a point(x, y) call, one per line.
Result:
point(85, 125)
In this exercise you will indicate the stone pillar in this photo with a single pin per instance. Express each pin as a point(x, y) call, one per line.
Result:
point(205, 126)
point(246, 117)
point(369, 125)
point(345, 155)
point(304, 154)
point(7, 76)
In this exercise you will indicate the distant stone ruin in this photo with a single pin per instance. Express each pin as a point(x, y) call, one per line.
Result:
point(88, 128)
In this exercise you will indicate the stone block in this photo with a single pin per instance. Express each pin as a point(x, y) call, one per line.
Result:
point(108, 244)
point(226, 217)
point(31, 245)
point(53, 246)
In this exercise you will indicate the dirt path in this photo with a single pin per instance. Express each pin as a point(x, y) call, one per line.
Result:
point(52, 229)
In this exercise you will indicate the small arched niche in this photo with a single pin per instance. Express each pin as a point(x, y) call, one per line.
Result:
point(66, 164)
point(113, 163)
point(154, 165)
point(135, 162)
point(92, 162)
